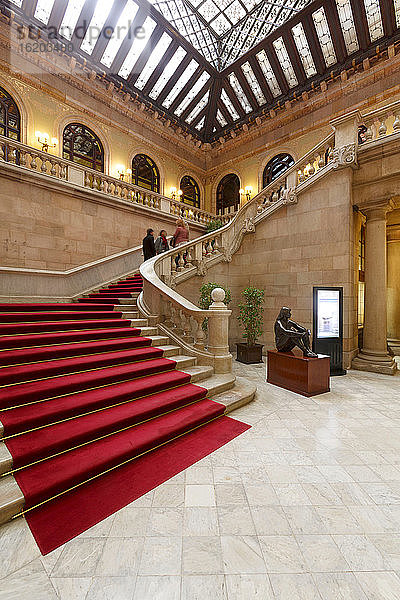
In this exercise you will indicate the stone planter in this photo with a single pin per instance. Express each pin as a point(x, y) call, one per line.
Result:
point(249, 354)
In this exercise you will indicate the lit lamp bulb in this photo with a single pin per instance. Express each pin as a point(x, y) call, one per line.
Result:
point(173, 193)
point(121, 172)
point(44, 141)
point(179, 192)
point(248, 190)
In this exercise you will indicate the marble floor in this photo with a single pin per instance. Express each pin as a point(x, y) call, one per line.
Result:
point(303, 506)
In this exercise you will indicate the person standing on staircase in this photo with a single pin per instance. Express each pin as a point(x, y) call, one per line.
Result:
point(149, 249)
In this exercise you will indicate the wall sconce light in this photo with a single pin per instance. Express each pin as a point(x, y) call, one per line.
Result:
point(44, 140)
point(248, 190)
point(121, 172)
point(175, 193)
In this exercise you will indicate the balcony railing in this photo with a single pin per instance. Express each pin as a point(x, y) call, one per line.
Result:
point(44, 163)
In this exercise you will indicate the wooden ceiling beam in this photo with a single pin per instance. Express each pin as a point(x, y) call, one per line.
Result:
point(112, 20)
point(233, 98)
point(186, 89)
point(57, 14)
point(294, 57)
point(126, 45)
point(277, 69)
point(261, 79)
point(246, 88)
point(194, 102)
point(83, 23)
point(335, 28)
point(215, 93)
point(388, 17)
point(313, 42)
point(361, 23)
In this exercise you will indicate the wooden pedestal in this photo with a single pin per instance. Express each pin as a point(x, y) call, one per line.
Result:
point(306, 376)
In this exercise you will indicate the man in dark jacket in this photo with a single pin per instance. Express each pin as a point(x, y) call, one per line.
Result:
point(149, 249)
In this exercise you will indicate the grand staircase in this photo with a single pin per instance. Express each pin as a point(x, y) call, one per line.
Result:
point(88, 385)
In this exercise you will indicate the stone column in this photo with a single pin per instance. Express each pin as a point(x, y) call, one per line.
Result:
point(374, 355)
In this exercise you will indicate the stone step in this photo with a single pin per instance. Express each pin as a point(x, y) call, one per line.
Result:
point(124, 307)
point(169, 350)
point(147, 331)
point(198, 373)
point(217, 384)
point(11, 499)
point(139, 322)
point(184, 363)
point(239, 395)
point(128, 314)
point(158, 340)
point(5, 458)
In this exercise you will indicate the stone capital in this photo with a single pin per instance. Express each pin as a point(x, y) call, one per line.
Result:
point(353, 117)
point(376, 208)
point(393, 233)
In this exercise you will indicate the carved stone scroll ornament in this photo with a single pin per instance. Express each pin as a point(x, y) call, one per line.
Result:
point(346, 156)
point(289, 196)
point(201, 269)
point(248, 225)
point(170, 281)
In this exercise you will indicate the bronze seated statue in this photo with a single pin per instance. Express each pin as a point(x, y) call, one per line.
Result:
point(289, 334)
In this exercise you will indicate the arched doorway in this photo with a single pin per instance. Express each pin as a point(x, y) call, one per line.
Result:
point(81, 145)
point(190, 191)
point(145, 173)
point(276, 167)
point(228, 194)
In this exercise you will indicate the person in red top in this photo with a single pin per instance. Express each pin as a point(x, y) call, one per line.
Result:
point(181, 234)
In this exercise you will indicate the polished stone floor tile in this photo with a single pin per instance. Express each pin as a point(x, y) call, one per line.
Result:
point(303, 506)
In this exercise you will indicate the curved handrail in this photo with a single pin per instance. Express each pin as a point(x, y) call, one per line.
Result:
point(160, 274)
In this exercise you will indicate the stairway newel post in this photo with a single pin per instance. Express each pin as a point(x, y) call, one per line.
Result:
point(218, 332)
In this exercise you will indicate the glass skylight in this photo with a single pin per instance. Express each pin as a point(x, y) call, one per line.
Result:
point(70, 18)
point(197, 110)
point(304, 50)
point(43, 10)
point(397, 11)
point(97, 23)
point(17, 2)
point(253, 83)
point(268, 73)
point(202, 80)
point(221, 119)
point(285, 63)
point(120, 32)
point(374, 18)
point(348, 27)
point(180, 84)
point(137, 48)
point(241, 96)
point(231, 109)
point(153, 60)
point(324, 36)
point(200, 124)
point(169, 70)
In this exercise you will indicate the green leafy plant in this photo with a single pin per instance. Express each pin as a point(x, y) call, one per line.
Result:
point(251, 314)
point(205, 299)
point(213, 226)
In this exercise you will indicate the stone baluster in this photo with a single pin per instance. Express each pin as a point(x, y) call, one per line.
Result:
point(22, 158)
point(186, 327)
point(181, 262)
point(173, 264)
point(2, 153)
point(320, 160)
point(13, 155)
point(369, 134)
point(33, 164)
point(396, 124)
point(63, 171)
point(382, 128)
point(43, 167)
point(87, 180)
point(168, 313)
point(53, 167)
point(200, 336)
point(189, 258)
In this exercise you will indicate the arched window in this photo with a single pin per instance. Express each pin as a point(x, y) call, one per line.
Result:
point(10, 118)
point(145, 173)
point(190, 191)
point(228, 195)
point(276, 166)
point(82, 145)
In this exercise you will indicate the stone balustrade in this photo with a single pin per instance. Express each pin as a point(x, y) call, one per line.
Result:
point(380, 123)
point(20, 155)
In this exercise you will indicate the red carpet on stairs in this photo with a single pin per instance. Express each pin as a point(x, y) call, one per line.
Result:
point(93, 415)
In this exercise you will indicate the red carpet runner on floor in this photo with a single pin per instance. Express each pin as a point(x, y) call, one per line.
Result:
point(93, 415)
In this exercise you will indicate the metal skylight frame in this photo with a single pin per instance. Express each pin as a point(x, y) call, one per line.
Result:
point(253, 83)
point(43, 10)
point(128, 14)
point(168, 71)
point(138, 45)
point(180, 84)
point(202, 80)
point(347, 24)
point(152, 62)
point(70, 18)
point(97, 22)
point(324, 36)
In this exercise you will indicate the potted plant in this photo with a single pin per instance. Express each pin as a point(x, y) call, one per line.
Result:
point(205, 299)
point(251, 319)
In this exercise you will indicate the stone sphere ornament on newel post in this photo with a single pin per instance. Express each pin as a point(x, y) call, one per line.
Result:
point(251, 319)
